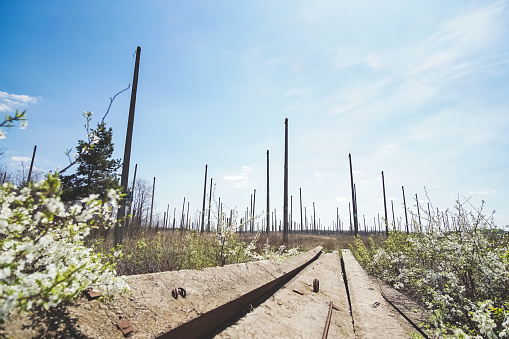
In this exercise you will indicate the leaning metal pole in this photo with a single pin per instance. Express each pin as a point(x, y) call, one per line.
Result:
point(354, 200)
point(119, 226)
point(385, 207)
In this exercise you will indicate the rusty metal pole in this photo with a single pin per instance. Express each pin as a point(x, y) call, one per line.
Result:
point(404, 204)
point(119, 226)
point(285, 198)
point(354, 204)
point(203, 206)
point(31, 165)
point(268, 197)
point(385, 207)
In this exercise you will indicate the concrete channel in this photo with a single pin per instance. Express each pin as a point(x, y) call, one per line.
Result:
point(296, 311)
point(264, 299)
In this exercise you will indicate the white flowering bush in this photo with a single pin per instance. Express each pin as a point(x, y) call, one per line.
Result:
point(43, 260)
point(458, 266)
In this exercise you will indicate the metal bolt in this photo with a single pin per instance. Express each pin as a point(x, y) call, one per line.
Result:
point(316, 285)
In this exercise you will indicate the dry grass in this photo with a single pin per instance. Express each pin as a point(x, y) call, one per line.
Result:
point(150, 251)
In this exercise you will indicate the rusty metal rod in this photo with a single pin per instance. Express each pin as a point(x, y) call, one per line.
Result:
point(327, 322)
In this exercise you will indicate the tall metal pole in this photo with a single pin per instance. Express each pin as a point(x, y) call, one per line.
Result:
point(314, 218)
point(268, 196)
point(187, 216)
point(174, 211)
point(337, 220)
point(167, 216)
point(355, 209)
point(285, 198)
point(253, 211)
point(204, 197)
point(385, 207)
point(350, 212)
point(152, 205)
point(119, 226)
point(210, 206)
point(31, 164)
point(291, 212)
point(404, 204)
point(182, 217)
point(354, 203)
point(301, 222)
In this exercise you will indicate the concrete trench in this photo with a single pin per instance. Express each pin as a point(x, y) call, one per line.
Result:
point(249, 300)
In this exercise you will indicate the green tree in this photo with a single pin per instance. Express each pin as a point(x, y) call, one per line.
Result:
point(97, 172)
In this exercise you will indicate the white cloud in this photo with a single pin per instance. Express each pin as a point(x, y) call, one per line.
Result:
point(11, 102)
point(242, 179)
point(20, 159)
point(319, 173)
point(484, 192)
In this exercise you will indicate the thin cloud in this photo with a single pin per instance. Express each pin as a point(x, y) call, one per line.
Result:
point(11, 102)
point(455, 50)
point(484, 192)
point(20, 159)
point(242, 179)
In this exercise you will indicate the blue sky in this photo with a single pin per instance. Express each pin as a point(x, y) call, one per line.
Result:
point(416, 89)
